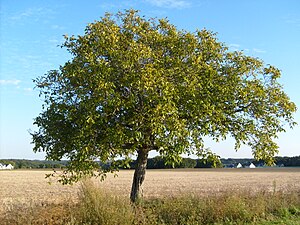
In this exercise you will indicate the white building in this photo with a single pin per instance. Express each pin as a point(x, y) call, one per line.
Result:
point(239, 166)
point(252, 166)
point(6, 167)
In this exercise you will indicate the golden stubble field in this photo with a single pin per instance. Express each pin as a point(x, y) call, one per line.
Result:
point(31, 187)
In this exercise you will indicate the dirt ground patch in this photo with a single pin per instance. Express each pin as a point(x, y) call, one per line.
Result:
point(207, 181)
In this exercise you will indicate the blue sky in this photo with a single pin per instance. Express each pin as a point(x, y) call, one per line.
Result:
point(31, 30)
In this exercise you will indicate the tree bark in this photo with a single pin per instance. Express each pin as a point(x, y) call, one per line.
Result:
point(139, 175)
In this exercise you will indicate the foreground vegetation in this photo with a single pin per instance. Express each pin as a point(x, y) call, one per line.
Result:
point(98, 206)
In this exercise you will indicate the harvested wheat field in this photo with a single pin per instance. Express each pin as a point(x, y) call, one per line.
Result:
point(25, 187)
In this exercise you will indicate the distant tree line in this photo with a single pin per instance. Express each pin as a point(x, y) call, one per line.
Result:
point(288, 161)
point(279, 161)
point(34, 164)
point(159, 162)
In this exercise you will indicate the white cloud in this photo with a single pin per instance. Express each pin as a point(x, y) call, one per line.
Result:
point(57, 27)
point(108, 6)
point(237, 47)
point(35, 13)
point(257, 50)
point(125, 4)
point(28, 89)
point(234, 47)
point(9, 82)
point(178, 4)
point(292, 19)
point(54, 41)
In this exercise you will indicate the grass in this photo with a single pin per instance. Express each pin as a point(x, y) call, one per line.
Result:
point(99, 206)
point(26, 214)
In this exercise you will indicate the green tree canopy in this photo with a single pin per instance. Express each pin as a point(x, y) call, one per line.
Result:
point(135, 84)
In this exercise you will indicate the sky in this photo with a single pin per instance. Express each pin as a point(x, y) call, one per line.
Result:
point(32, 30)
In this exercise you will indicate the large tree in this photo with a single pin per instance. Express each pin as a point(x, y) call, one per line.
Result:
point(135, 84)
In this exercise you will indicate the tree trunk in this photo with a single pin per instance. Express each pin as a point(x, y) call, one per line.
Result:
point(139, 175)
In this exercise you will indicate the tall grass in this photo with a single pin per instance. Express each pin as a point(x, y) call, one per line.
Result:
point(32, 213)
point(98, 206)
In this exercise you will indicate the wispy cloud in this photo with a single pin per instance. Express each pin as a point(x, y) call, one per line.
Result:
point(33, 13)
point(28, 89)
point(177, 4)
point(234, 47)
point(57, 27)
point(10, 82)
point(257, 50)
point(55, 41)
point(238, 47)
point(108, 6)
point(112, 5)
point(292, 19)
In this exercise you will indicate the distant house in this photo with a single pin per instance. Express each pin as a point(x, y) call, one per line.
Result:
point(239, 165)
point(252, 166)
point(9, 167)
point(6, 167)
